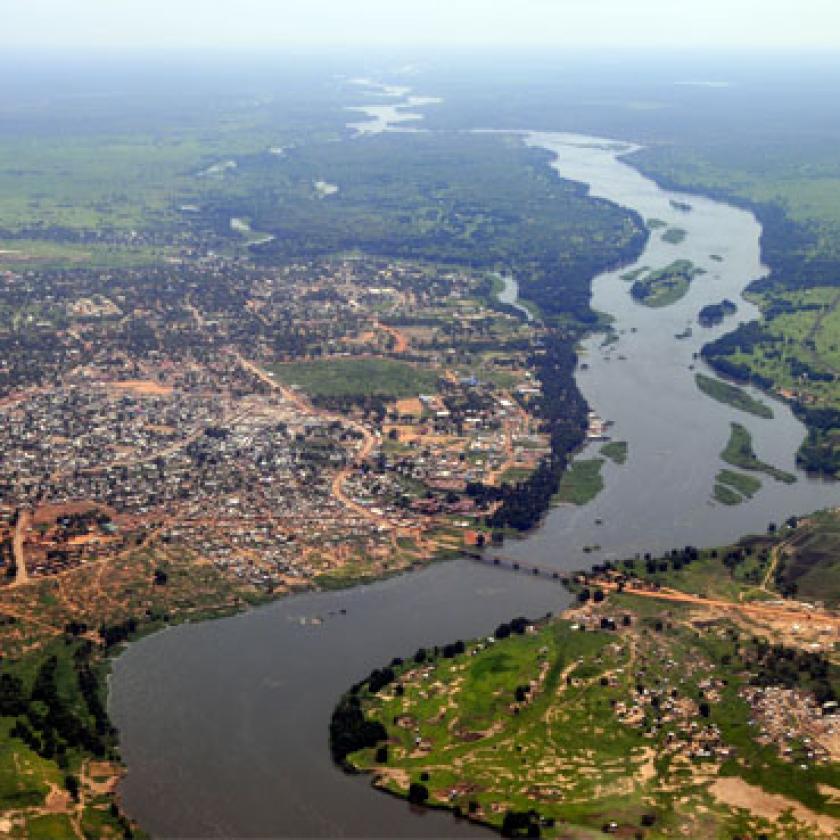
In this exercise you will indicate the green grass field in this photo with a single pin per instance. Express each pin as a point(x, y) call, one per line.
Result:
point(358, 377)
point(581, 482)
point(533, 723)
point(732, 395)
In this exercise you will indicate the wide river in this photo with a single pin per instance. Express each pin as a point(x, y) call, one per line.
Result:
point(224, 724)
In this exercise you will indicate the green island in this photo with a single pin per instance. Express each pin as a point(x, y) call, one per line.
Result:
point(729, 394)
point(581, 482)
point(726, 495)
point(739, 453)
point(635, 274)
point(616, 451)
point(656, 224)
point(655, 707)
point(674, 236)
point(731, 488)
point(665, 285)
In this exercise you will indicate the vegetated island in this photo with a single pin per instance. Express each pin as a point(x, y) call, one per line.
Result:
point(674, 236)
point(616, 451)
point(714, 313)
point(739, 453)
point(635, 274)
point(729, 394)
point(682, 206)
point(677, 693)
point(732, 488)
point(656, 224)
point(665, 285)
point(581, 482)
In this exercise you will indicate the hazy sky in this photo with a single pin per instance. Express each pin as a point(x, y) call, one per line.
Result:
point(267, 23)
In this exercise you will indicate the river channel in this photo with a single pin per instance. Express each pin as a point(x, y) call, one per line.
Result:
point(224, 724)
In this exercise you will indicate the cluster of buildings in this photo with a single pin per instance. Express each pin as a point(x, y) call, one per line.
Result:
point(791, 719)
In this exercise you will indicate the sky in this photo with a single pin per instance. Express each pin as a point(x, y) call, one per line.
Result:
point(266, 24)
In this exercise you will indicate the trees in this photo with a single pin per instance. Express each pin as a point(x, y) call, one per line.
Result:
point(418, 793)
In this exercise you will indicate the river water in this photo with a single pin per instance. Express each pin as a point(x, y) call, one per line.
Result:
point(224, 724)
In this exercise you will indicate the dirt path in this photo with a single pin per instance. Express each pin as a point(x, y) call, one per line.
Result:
point(21, 574)
point(771, 569)
point(400, 341)
point(765, 611)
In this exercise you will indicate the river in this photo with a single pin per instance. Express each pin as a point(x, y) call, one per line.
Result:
point(224, 724)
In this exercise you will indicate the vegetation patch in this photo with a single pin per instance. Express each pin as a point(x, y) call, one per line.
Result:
point(616, 451)
point(732, 395)
point(746, 485)
point(674, 236)
point(739, 453)
point(581, 482)
point(726, 495)
point(612, 720)
point(665, 285)
point(358, 377)
point(810, 563)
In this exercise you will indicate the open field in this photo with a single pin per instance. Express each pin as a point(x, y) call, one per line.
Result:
point(353, 377)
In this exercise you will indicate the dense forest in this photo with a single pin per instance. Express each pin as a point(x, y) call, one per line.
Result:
point(481, 201)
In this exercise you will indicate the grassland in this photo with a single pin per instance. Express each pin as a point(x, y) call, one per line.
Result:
point(31, 254)
point(732, 488)
point(563, 733)
point(746, 485)
point(37, 777)
point(810, 567)
point(358, 377)
point(732, 395)
point(581, 482)
point(665, 286)
point(739, 453)
point(616, 451)
point(725, 494)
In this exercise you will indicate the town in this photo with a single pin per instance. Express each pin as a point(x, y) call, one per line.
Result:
point(309, 424)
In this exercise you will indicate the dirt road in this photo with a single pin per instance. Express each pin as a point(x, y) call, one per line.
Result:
point(770, 612)
point(400, 341)
point(21, 574)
